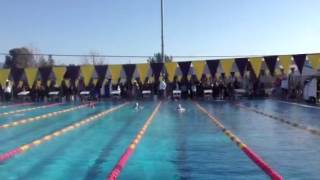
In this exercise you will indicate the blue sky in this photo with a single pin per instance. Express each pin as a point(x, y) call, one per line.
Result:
point(132, 27)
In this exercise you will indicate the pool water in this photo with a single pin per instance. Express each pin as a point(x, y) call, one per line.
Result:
point(175, 146)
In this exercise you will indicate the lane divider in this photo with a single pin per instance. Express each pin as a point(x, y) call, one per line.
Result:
point(16, 105)
point(281, 119)
point(297, 104)
point(23, 148)
point(40, 117)
point(274, 175)
point(29, 109)
point(130, 149)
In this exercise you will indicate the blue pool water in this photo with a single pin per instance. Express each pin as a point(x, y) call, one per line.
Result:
point(175, 146)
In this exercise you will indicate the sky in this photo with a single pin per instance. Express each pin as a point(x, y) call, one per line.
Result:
point(132, 27)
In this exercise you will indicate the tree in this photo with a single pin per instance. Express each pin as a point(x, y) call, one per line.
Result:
point(93, 58)
point(42, 62)
point(157, 58)
point(19, 58)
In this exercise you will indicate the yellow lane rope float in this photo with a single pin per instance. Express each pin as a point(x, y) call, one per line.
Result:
point(48, 137)
point(281, 119)
point(274, 175)
point(40, 117)
point(130, 149)
point(28, 109)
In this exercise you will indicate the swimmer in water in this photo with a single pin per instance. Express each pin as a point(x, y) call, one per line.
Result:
point(92, 104)
point(137, 106)
point(180, 108)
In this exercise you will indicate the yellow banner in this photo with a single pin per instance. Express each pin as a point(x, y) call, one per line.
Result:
point(198, 67)
point(67, 81)
point(143, 70)
point(285, 61)
point(31, 74)
point(115, 71)
point(314, 60)
point(226, 65)
point(256, 65)
point(4, 75)
point(87, 71)
point(59, 73)
point(95, 82)
point(171, 70)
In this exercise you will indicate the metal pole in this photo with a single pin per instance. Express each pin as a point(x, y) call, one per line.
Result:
point(162, 38)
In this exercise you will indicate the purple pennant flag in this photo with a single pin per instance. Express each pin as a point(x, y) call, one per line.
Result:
point(241, 64)
point(101, 71)
point(16, 74)
point(213, 66)
point(129, 70)
point(45, 73)
point(184, 67)
point(299, 59)
point(156, 69)
point(271, 62)
point(72, 72)
point(250, 69)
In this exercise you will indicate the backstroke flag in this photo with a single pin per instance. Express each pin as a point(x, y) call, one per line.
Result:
point(242, 65)
point(101, 71)
point(31, 74)
point(226, 65)
point(4, 75)
point(156, 70)
point(184, 67)
point(271, 62)
point(314, 60)
point(72, 73)
point(16, 74)
point(171, 69)
point(285, 61)
point(299, 59)
point(129, 70)
point(213, 66)
point(198, 67)
point(143, 71)
point(45, 73)
point(115, 70)
point(256, 65)
point(59, 73)
point(87, 71)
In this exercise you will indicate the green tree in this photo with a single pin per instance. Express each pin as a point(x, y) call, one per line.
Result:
point(42, 62)
point(19, 58)
point(157, 58)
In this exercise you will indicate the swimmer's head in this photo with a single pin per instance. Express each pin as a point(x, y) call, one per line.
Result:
point(179, 106)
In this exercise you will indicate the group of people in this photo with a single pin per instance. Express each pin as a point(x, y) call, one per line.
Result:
point(288, 86)
point(222, 88)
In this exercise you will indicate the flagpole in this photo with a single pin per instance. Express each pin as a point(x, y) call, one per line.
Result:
point(162, 37)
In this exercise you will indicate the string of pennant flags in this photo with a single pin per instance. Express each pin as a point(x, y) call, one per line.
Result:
point(211, 68)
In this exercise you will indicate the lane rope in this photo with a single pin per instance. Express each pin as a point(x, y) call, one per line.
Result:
point(297, 104)
point(40, 117)
point(281, 119)
point(29, 109)
point(23, 148)
point(17, 104)
point(274, 175)
point(130, 149)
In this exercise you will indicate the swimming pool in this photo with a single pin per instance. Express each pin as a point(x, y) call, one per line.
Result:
point(79, 144)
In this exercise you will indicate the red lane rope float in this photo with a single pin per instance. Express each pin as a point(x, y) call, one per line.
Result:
point(40, 117)
point(250, 153)
point(21, 149)
point(17, 104)
point(129, 151)
point(28, 109)
point(281, 119)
